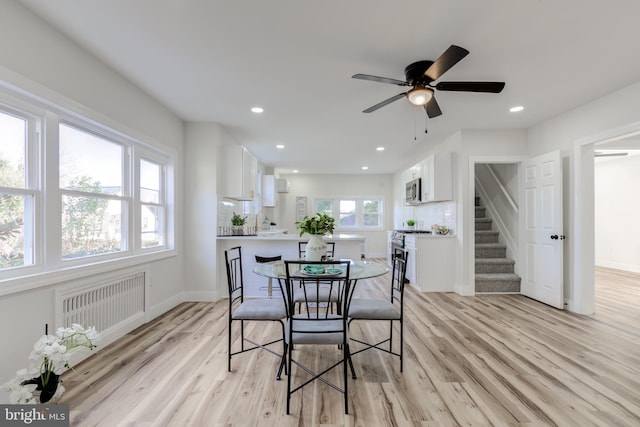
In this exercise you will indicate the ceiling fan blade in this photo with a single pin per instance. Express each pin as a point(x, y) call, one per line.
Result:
point(490, 87)
point(385, 102)
point(448, 59)
point(432, 108)
point(380, 79)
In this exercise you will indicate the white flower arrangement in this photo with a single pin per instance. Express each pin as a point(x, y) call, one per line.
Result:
point(51, 354)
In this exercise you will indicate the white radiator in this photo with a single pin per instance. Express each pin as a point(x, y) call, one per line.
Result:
point(113, 303)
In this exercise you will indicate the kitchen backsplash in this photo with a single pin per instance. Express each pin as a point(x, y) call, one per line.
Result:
point(443, 213)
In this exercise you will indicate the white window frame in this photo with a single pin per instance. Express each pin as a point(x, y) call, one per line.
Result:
point(165, 165)
point(32, 227)
point(335, 207)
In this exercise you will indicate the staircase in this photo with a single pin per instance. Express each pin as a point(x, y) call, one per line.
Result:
point(494, 271)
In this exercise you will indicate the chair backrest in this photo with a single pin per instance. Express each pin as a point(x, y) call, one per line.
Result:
point(331, 248)
point(316, 278)
point(233, 259)
point(263, 259)
point(398, 279)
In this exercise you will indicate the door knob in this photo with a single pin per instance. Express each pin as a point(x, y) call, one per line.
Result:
point(556, 237)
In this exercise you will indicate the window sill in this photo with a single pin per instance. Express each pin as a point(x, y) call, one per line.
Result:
point(48, 278)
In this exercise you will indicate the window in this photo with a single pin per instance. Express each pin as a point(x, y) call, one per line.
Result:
point(91, 187)
point(90, 194)
point(152, 208)
point(350, 213)
point(17, 190)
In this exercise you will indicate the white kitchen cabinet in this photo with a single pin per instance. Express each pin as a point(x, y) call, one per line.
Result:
point(430, 266)
point(437, 177)
point(269, 191)
point(240, 173)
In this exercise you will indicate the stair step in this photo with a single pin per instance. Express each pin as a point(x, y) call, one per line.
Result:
point(491, 250)
point(480, 211)
point(477, 200)
point(483, 223)
point(500, 282)
point(487, 236)
point(494, 265)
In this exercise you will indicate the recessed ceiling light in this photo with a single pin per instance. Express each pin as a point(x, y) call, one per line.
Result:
point(280, 146)
point(516, 109)
point(257, 109)
point(295, 171)
point(380, 149)
point(364, 168)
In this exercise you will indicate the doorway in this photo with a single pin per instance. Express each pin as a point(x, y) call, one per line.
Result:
point(582, 292)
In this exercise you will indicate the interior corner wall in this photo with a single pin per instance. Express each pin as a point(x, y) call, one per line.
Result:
point(203, 142)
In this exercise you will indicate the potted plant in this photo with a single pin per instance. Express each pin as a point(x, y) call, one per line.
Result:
point(316, 226)
point(237, 224)
point(272, 226)
point(411, 223)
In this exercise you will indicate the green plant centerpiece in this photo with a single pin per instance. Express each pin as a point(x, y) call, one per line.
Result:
point(316, 226)
point(411, 223)
point(237, 222)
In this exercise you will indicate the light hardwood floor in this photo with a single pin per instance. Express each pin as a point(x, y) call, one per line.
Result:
point(500, 360)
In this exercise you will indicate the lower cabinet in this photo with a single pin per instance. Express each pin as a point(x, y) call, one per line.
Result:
point(430, 266)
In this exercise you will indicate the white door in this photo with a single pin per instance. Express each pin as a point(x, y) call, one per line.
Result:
point(541, 228)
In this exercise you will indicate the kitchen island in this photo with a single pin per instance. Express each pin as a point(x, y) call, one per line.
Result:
point(350, 246)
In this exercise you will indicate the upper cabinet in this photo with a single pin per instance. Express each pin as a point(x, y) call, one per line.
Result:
point(240, 176)
point(436, 177)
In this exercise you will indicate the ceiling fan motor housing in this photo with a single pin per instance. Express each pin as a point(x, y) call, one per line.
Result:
point(415, 73)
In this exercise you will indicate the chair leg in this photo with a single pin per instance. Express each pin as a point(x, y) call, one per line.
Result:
point(229, 347)
point(289, 375)
point(401, 343)
point(242, 335)
point(346, 357)
point(353, 371)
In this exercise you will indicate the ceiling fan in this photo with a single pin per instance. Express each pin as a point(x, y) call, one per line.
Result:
point(420, 75)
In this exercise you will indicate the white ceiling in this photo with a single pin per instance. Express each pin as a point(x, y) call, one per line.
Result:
point(212, 60)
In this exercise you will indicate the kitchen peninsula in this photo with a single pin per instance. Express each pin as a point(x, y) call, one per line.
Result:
point(351, 246)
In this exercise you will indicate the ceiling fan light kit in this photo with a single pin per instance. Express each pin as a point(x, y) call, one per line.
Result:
point(419, 95)
point(421, 74)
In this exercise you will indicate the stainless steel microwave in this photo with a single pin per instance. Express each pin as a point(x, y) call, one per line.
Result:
point(414, 191)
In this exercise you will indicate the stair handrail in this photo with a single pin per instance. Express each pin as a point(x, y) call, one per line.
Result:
point(502, 188)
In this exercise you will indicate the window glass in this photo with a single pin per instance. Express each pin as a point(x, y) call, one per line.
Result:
point(347, 213)
point(152, 226)
point(13, 137)
point(12, 245)
point(86, 158)
point(324, 206)
point(149, 182)
point(371, 213)
point(90, 226)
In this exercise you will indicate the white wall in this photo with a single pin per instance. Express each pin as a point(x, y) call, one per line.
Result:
point(365, 185)
point(617, 229)
point(42, 61)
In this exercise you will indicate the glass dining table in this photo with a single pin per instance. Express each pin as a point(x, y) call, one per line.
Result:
point(357, 270)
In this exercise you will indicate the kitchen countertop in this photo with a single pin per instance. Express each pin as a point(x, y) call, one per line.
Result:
point(295, 236)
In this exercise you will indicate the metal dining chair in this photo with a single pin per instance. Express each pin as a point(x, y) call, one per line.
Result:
point(391, 310)
point(319, 326)
point(242, 310)
point(325, 295)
